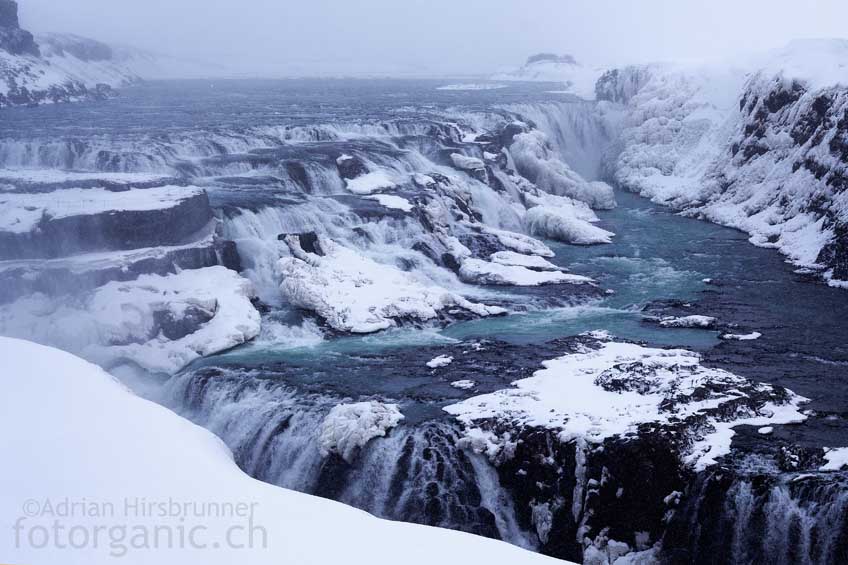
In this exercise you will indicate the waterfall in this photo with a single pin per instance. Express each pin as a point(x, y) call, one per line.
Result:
point(415, 474)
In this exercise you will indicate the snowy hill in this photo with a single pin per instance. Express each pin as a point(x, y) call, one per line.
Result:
point(117, 448)
point(54, 68)
point(547, 67)
point(760, 146)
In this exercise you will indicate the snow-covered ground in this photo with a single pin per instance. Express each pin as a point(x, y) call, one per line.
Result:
point(611, 388)
point(119, 453)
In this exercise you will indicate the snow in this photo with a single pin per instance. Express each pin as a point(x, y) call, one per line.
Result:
point(564, 219)
point(694, 321)
point(723, 142)
point(354, 293)
point(349, 427)
point(50, 176)
point(463, 384)
point(766, 430)
point(440, 361)
point(392, 201)
point(116, 323)
point(741, 337)
point(511, 258)
point(483, 272)
point(836, 459)
point(467, 163)
point(520, 243)
point(21, 213)
point(370, 183)
point(569, 396)
point(114, 446)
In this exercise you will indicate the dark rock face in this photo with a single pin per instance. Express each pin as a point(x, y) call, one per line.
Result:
point(114, 230)
point(175, 327)
point(309, 242)
point(12, 38)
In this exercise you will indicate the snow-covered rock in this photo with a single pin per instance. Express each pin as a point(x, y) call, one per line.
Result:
point(440, 361)
point(564, 219)
point(370, 183)
point(392, 201)
point(534, 262)
point(487, 273)
point(741, 337)
point(349, 427)
point(547, 67)
point(114, 446)
point(463, 384)
point(160, 323)
point(612, 388)
point(836, 458)
point(353, 293)
point(694, 321)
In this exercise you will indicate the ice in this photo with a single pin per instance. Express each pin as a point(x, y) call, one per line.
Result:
point(349, 427)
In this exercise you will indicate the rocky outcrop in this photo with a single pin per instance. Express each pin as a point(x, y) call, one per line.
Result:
point(13, 39)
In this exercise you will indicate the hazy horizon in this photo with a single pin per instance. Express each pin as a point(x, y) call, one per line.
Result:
point(433, 37)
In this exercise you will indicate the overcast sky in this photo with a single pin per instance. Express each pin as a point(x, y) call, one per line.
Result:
point(438, 36)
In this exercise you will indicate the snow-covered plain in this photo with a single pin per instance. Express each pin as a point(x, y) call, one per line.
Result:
point(118, 449)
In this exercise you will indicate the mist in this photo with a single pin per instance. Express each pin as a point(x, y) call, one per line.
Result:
point(435, 36)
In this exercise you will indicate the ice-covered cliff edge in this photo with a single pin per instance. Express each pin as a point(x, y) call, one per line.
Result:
point(762, 146)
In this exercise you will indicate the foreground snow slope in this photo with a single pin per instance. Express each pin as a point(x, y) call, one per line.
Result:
point(113, 446)
point(761, 147)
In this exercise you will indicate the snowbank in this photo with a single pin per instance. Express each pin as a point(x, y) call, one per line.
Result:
point(392, 201)
point(353, 293)
point(610, 391)
point(350, 426)
point(161, 323)
point(114, 446)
